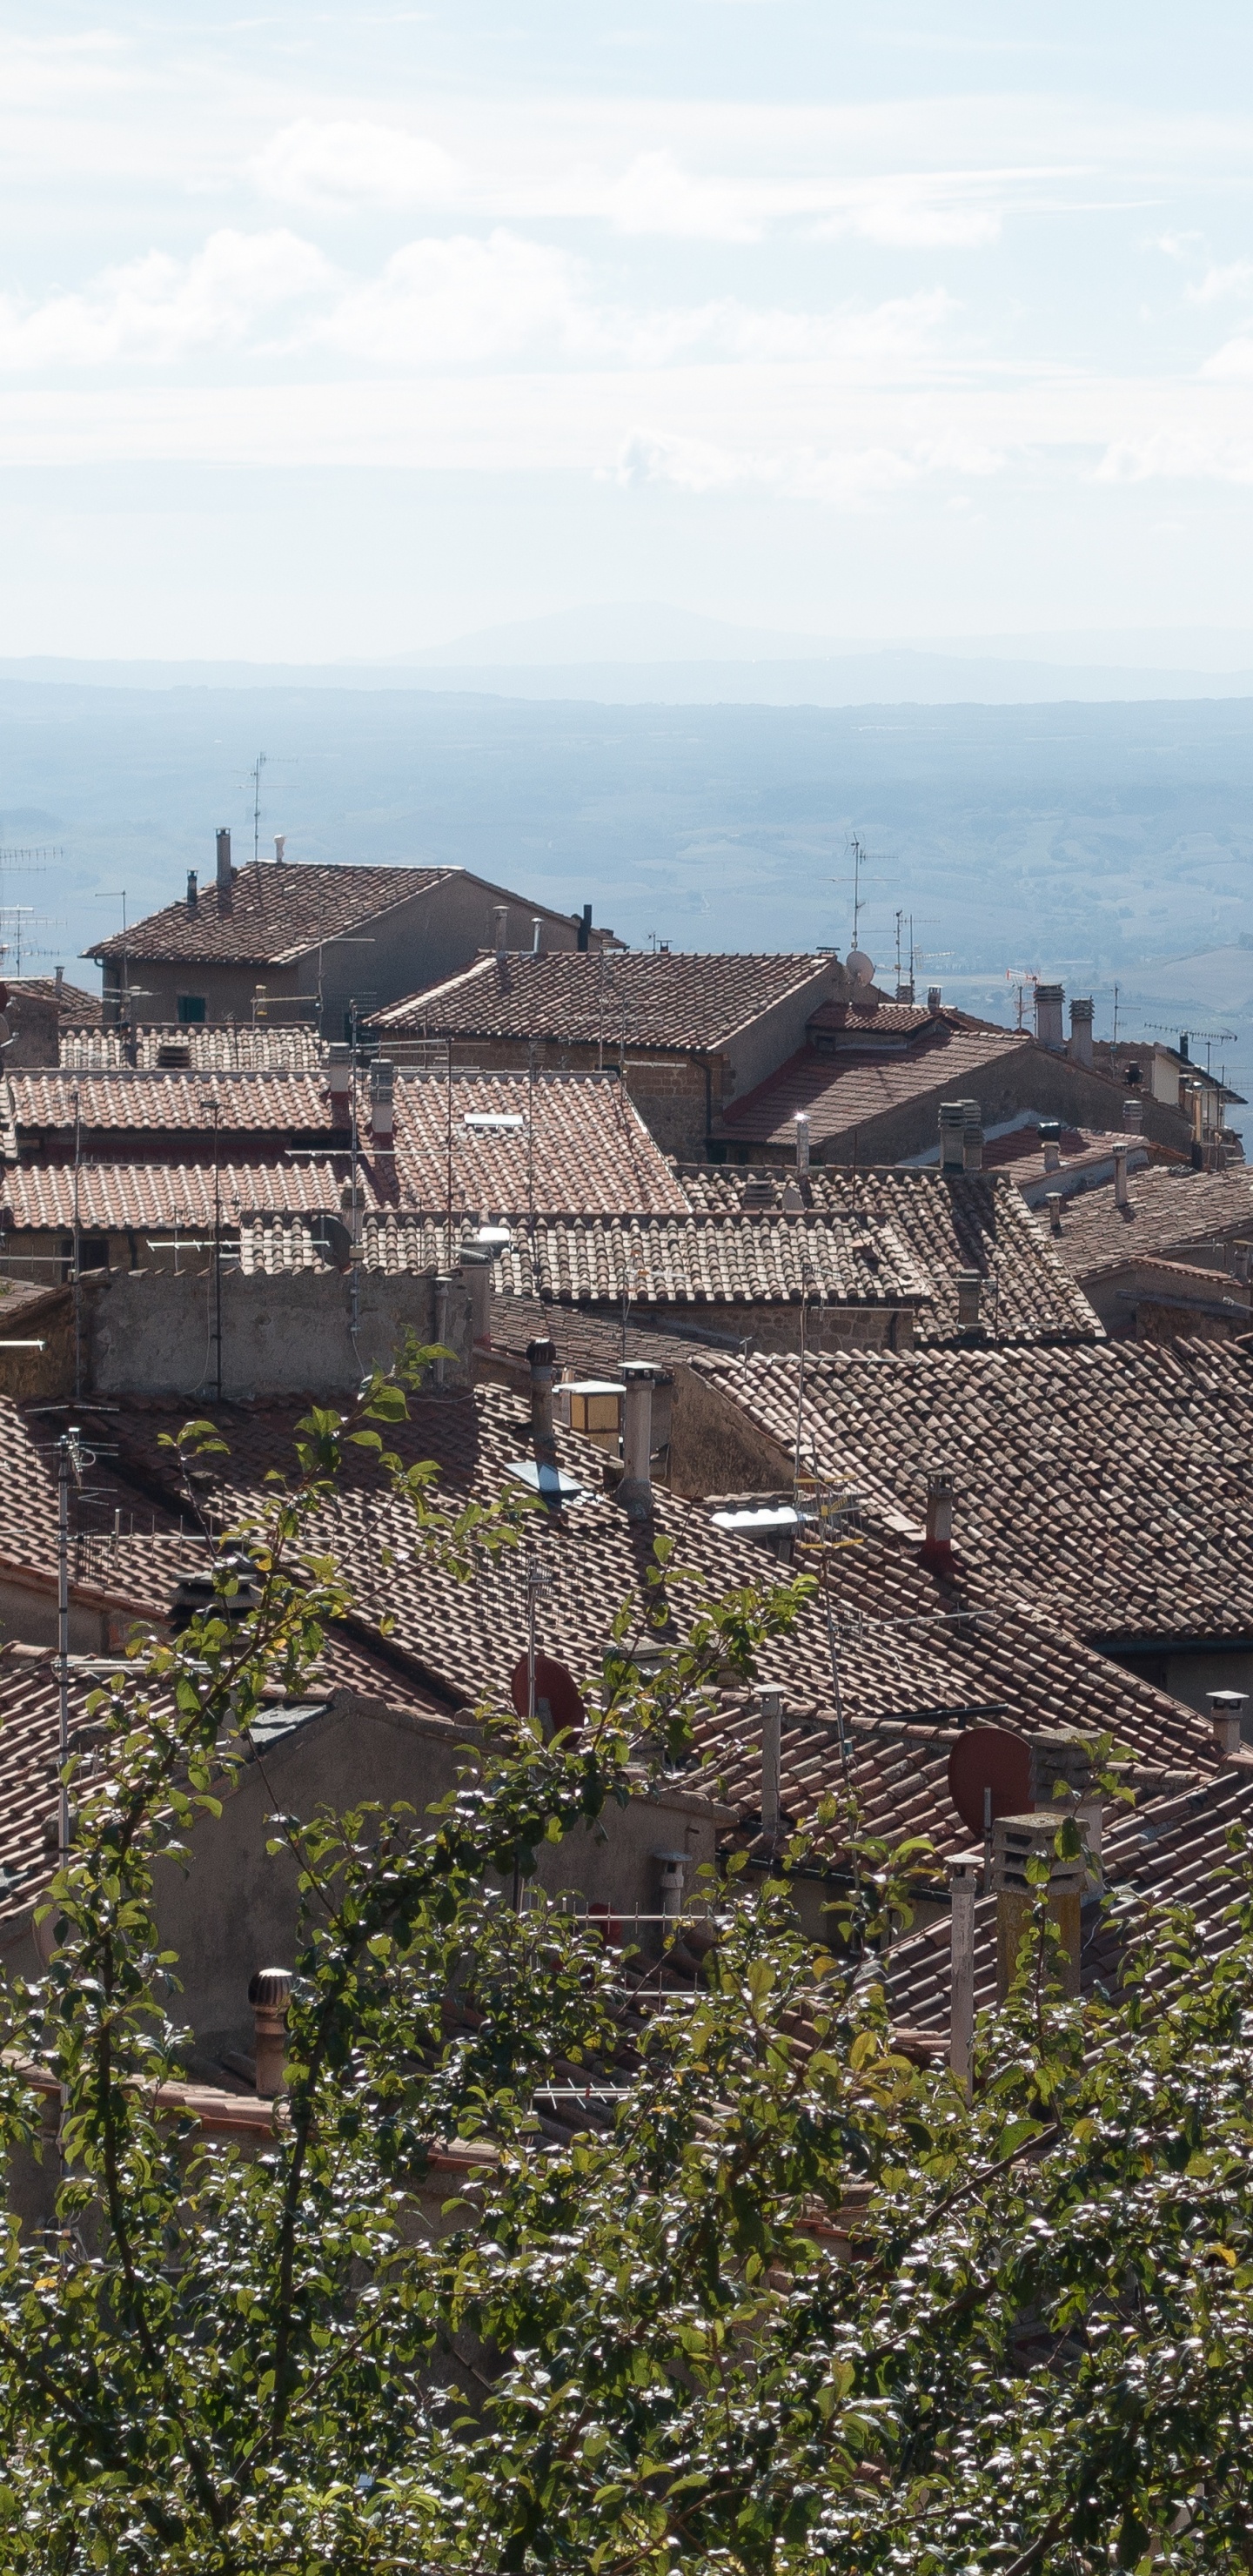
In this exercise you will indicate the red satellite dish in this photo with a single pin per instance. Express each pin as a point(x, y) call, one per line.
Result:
point(557, 1698)
point(985, 1757)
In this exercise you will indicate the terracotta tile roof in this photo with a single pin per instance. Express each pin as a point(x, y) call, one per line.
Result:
point(1166, 1212)
point(847, 1091)
point(168, 1102)
point(1109, 1483)
point(150, 1191)
point(908, 1642)
point(79, 1010)
point(690, 1003)
point(1168, 1851)
point(971, 1221)
point(276, 914)
point(581, 1146)
point(870, 1016)
point(736, 1260)
point(225, 1049)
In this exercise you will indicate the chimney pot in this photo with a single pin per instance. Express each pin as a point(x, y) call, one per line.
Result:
point(1053, 1202)
point(536, 927)
point(1225, 1708)
point(934, 998)
point(969, 1287)
point(1120, 1173)
point(269, 1994)
point(500, 915)
point(193, 891)
point(972, 1137)
point(802, 1141)
point(382, 1104)
point(771, 1763)
point(1133, 1116)
point(952, 1135)
point(635, 1491)
point(585, 930)
point(280, 845)
point(1048, 1016)
point(542, 1360)
point(224, 857)
point(940, 1489)
point(1081, 1015)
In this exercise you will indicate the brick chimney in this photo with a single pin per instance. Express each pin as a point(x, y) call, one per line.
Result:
point(1225, 1708)
point(1015, 1841)
point(969, 1287)
point(225, 876)
point(1080, 1048)
point(269, 1995)
point(1048, 1016)
point(382, 1104)
point(940, 1490)
point(1062, 1765)
point(635, 1491)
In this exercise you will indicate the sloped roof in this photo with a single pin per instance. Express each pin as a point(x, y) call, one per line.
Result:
point(702, 1261)
point(78, 1009)
point(1167, 1851)
point(226, 1047)
point(870, 1014)
point(687, 1003)
point(1166, 1212)
point(275, 914)
point(848, 1090)
point(170, 1102)
point(906, 1641)
point(950, 1222)
point(1109, 1483)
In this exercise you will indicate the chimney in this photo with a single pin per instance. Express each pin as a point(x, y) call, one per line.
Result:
point(952, 1135)
point(1053, 1202)
point(1133, 1116)
point(964, 1876)
point(225, 870)
point(1062, 1762)
point(269, 1994)
point(771, 1763)
point(1050, 1132)
point(1120, 1172)
point(673, 1873)
point(500, 915)
point(802, 1142)
point(1225, 1717)
point(969, 1285)
point(1184, 1035)
point(940, 1488)
point(635, 1492)
point(1048, 1016)
point(1015, 1841)
point(536, 927)
point(585, 931)
point(541, 1360)
point(193, 890)
point(339, 1076)
point(905, 992)
point(934, 998)
point(1241, 1262)
point(972, 1138)
point(382, 1094)
point(1080, 1049)
point(476, 1264)
point(280, 845)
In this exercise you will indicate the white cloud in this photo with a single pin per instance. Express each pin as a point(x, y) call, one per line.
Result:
point(1236, 278)
point(163, 309)
point(907, 214)
point(844, 478)
point(1184, 454)
point(355, 163)
point(457, 302)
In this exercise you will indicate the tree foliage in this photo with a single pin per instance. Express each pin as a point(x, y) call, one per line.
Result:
point(788, 2301)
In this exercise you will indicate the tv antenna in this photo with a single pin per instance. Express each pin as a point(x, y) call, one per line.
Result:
point(1022, 978)
point(262, 761)
point(860, 856)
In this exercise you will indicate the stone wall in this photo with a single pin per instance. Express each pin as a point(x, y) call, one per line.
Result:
point(152, 1332)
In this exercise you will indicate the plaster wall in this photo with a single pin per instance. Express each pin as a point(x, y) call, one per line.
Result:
point(152, 1331)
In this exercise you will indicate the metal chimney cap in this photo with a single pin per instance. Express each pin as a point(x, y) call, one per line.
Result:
point(542, 1353)
point(270, 1989)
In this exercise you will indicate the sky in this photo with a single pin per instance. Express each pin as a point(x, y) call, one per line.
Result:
point(345, 332)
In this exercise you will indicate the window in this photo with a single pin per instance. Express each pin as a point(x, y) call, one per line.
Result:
point(190, 1009)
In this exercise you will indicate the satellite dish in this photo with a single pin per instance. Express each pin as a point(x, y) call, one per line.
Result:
point(986, 1757)
point(558, 1702)
point(859, 966)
